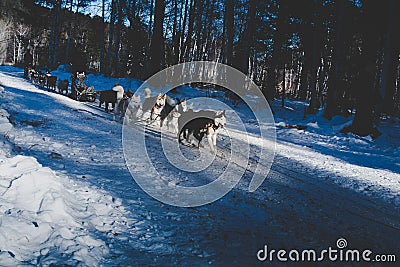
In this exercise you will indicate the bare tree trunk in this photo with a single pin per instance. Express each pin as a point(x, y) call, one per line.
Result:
point(5, 28)
point(134, 48)
point(175, 35)
point(115, 62)
point(283, 87)
point(229, 31)
point(246, 41)
point(110, 38)
point(316, 57)
point(69, 34)
point(188, 41)
point(157, 50)
point(151, 16)
point(102, 43)
point(148, 66)
point(304, 74)
point(207, 39)
point(336, 71)
point(390, 61)
point(363, 123)
point(275, 65)
point(53, 33)
point(57, 34)
point(199, 17)
point(183, 29)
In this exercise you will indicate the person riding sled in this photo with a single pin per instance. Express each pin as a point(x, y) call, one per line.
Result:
point(78, 67)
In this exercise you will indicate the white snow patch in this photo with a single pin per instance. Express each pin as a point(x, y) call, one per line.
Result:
point(45, 217)
point(44, 214)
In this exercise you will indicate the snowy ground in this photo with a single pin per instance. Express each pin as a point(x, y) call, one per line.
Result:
point(66, 195)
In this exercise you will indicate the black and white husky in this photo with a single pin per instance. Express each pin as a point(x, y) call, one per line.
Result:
point(198, 124)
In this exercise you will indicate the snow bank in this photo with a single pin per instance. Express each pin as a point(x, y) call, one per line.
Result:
point(5, 127)
point(362, 164)
point(45, 218)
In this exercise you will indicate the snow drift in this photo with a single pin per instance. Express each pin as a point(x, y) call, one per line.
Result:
point(46, 218)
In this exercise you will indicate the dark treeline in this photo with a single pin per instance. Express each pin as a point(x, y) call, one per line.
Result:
point(342, 56)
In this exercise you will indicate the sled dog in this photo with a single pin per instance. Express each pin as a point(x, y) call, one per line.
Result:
point(154, 104)
point(63, 86)
point(198, 124)
point(107, 97)
point(51, 82)
point(122, 108)
point(171, 112)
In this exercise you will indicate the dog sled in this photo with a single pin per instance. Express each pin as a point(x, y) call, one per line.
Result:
point(80, 91)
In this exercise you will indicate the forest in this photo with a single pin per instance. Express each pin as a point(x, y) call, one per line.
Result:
point(341, 57)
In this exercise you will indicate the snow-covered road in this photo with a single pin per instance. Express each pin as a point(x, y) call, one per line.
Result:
point(82, 149)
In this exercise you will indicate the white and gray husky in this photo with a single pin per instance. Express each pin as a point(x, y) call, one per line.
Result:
point(171, 113)
point(163, 108)
point(127, 107)
point(152, 104)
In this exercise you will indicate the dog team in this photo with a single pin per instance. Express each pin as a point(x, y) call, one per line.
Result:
point(170, 113)
point(47, 80)
point(174, 114)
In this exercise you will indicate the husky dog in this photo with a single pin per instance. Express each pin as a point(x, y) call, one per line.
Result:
point(171, 112)
point(158, 107)
point(107, 97)
point(132, 108)
point(40, 78)
point(154, 104)
point(173, 117)
point(31, 74)
point(120, 95)
point(119, 89)
point(205, 122)
point(63, 86)
point(122, 107)
point(51, 82)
